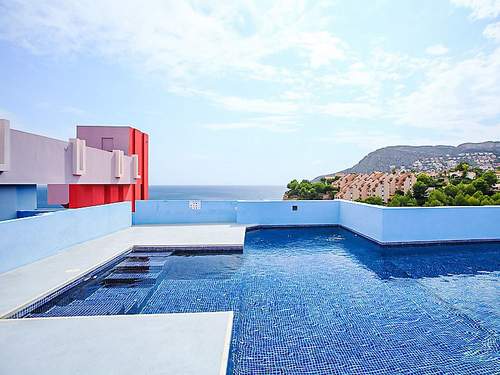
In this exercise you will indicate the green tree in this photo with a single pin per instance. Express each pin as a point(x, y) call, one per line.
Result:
point(309, 190)
point(496, 198)
point(463, 167)
point(466, 189)
point(451, 190)
point(438, 198)
point(473, 201)
point(461, 200)
point(431, 202)
point(373, 200)
point(426, 179)
point(402, 200)
point(420, 192)
point(490, 177)
point(481, 185)
point(487, 201)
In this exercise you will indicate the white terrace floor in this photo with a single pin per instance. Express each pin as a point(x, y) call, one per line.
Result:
point(22, 286)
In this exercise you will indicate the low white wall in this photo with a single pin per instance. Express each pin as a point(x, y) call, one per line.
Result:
point(179, 212)
point(385, 225)
point(28, 239)
point(365, 219)
point(283, 213)
point(436, 224)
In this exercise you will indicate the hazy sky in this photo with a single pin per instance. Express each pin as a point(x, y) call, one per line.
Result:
point(248, 93)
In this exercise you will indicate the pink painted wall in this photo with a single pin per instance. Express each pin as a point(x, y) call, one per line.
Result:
point(58, 194)
point(94, 136)
point(36, 159)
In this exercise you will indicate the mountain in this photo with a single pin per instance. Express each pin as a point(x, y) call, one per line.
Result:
point(419, 157)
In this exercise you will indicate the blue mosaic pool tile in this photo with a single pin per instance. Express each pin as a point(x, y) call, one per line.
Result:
point(182, 296)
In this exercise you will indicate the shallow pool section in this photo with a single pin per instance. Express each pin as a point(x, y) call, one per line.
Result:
point(320, 301)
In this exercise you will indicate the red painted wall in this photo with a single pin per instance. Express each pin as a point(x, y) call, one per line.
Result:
point(93, 195)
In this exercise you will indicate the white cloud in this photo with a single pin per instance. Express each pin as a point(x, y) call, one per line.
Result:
point(73, 110)
point(295, 95)
point(492, 31)
point(356, 75)
point(184, 40)
point(480, 8)
point(240, 104)
point(188, 44)
point(461, 98)
point(371, 139)
point(437, 50)
point(277, 124)
point(354, 110)
point(322, 48)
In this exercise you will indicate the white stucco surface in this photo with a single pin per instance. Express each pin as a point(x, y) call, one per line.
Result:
point(24, 285)
point(177, 344)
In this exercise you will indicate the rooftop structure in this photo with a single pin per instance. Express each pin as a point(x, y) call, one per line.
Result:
point(103, 164)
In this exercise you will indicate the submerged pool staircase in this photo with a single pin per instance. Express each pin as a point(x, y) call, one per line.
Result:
point(124, 289)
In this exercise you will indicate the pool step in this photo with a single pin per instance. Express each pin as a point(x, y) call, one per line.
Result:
point(130, 298)
point(105, 301)
point(79, 307)
point(132, 265)
point(131, 277)
point(145, 254)
point(160, 250)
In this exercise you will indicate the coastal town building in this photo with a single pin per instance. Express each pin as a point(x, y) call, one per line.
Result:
point(482, 160)
point(355, 186)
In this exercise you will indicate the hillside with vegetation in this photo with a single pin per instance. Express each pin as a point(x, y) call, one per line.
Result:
point(462, 186)
point(387, 158)
point(456, 189)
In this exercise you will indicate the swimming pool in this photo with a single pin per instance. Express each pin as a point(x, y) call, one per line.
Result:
point(320, 301)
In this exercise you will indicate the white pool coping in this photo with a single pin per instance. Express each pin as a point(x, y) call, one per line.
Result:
point(187, 344)
point(24, 285)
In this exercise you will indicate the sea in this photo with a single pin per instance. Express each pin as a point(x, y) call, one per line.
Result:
point(202, 192)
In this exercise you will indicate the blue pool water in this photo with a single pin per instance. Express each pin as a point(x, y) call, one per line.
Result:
point(321, 301)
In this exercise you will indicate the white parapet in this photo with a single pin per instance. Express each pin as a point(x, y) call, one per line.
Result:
point(118, 162)
point(79, 153)
point(4, 145)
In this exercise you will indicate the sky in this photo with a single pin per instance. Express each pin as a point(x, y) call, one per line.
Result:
point(239, 92)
